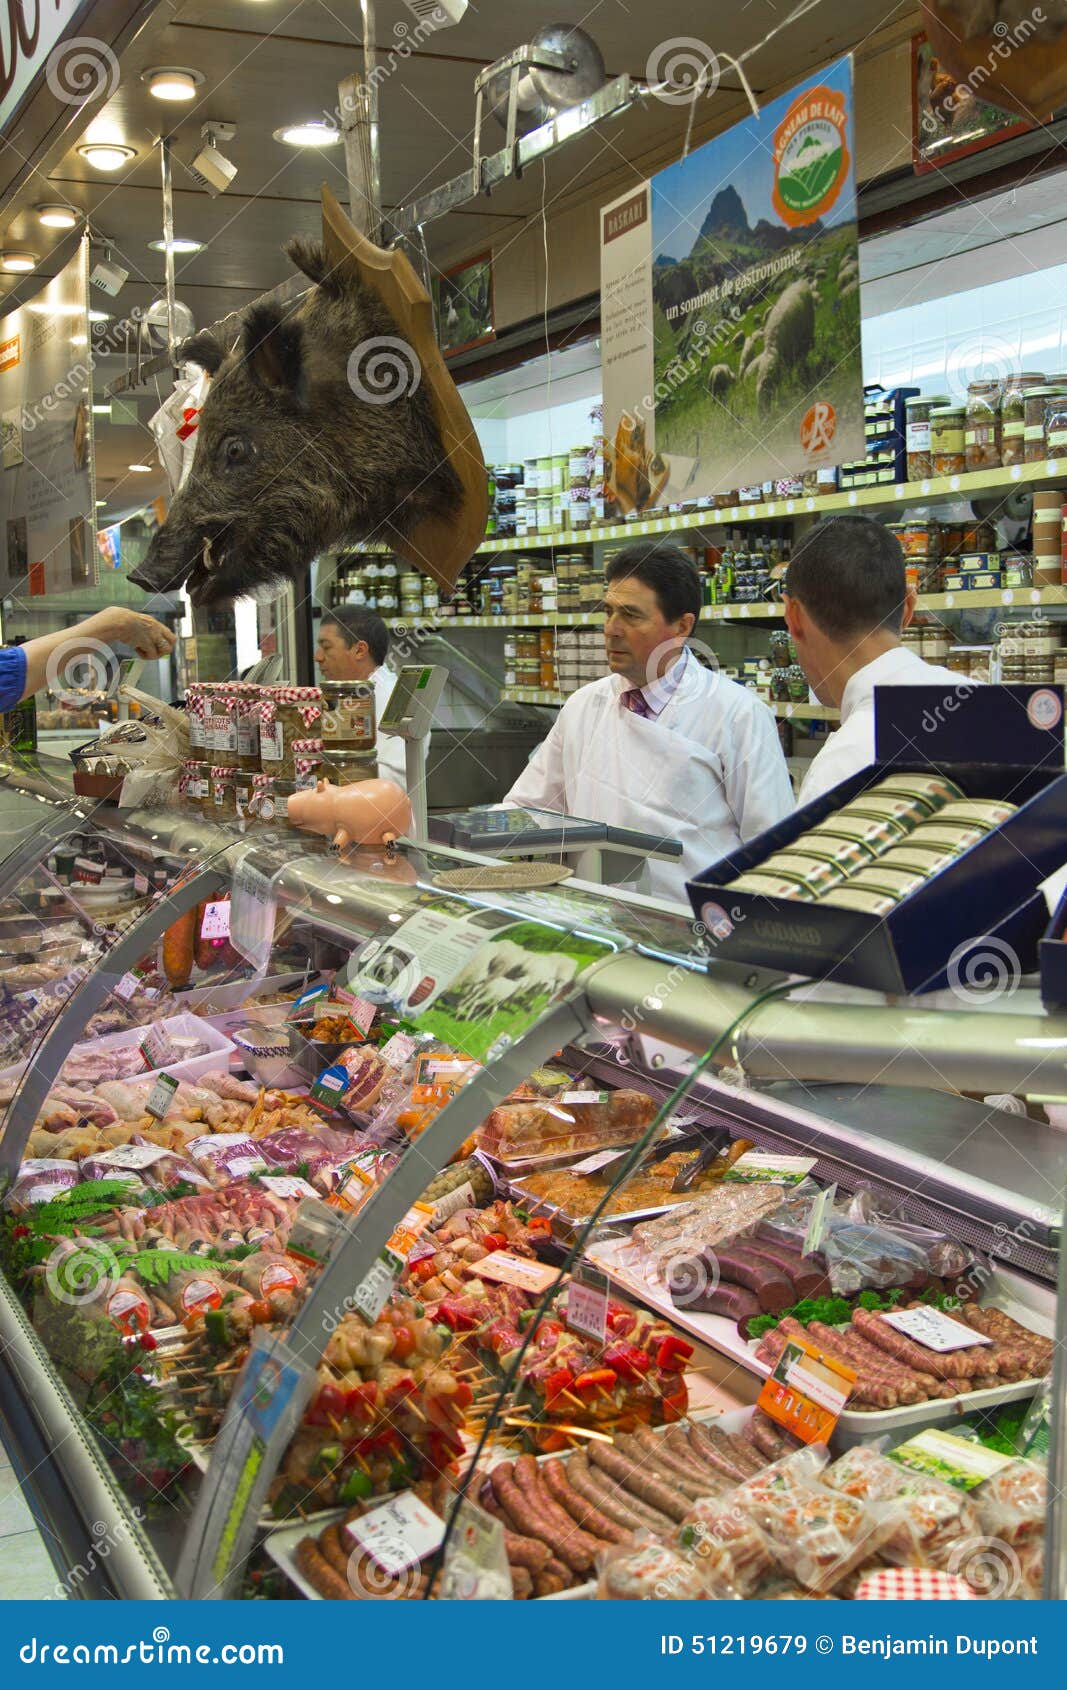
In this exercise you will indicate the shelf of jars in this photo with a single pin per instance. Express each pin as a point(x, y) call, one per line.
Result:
point(531, 695)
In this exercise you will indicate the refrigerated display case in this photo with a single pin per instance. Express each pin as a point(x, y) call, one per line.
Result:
point(241, 1311)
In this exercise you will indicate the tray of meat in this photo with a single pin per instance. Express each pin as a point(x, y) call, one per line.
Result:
point(186, 1048)
point(897, 1388)
point(527, 1134)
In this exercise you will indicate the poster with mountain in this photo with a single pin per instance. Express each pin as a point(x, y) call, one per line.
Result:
point(747, 368)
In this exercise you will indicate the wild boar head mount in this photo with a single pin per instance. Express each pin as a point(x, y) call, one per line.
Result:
point(329, 422)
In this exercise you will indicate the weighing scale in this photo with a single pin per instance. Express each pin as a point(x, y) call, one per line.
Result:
point(409, 715)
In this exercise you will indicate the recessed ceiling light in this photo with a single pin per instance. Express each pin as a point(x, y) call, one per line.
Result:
point(308, 135)
point(79, 340)
point(172, 82)
point(178, 244)
point(101, 410)
point(57, 216)
point(140, 469)
point(100, 501)
point(100, 316)
point(106, 155)
point(18, 261)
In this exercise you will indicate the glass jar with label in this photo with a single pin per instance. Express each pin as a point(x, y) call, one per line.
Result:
point(247, 726)
point(982, 426)
point(1013, 415)
point(222, 787)
point(194, 710)
point(306, 762)
point(1056, 426)
point(1034, 405)
point(917, 434)
point(192, 780)
point(224, 728)
point(347, 722)
point(286, 714)
point(947, 452)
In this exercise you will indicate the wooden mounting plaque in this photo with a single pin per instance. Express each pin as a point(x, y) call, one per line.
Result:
point(439, 546)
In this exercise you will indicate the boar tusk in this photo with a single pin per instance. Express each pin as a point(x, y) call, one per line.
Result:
point(208, 559)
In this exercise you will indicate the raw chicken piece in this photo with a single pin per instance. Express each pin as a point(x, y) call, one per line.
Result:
point(229, 1087)
point(128, 1101)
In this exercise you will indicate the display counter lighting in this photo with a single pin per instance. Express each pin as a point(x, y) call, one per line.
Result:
point(171, 82)
point(308, 135)
point(140, 469)
point(18, 263)
point(106, 156)
point(57, 216)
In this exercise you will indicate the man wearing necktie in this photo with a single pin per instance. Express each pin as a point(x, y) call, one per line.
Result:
point(662, 744)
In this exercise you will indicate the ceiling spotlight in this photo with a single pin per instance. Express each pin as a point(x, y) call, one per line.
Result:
point(57, 216)
point(178, 244)
point(308, 135)
point(171, 82)
point(211, 168)
point(17, 262)
point(106, 155)
point(140, 469)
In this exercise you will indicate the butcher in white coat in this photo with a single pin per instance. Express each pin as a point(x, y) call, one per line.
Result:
point(353, 644)
point(846, 600)
point(662, 744)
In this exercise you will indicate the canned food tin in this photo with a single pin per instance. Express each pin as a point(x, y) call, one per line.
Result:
point(860, 898)
point(892, 806)
point(846, 854)
point(919, 859)
point(985, 813)
point(949, 836)
point(896, 881)
point(774, 886)
point(815, 872)
point(935, 788)
point(878, 833)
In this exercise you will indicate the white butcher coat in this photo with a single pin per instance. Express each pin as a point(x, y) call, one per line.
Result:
point(707, 771)
point(851, 748)
point(392, 751)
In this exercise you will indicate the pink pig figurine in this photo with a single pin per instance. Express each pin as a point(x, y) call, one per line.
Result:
point(366, 812)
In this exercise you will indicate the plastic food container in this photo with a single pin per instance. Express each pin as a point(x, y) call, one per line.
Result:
point(982, 427)
point(947, 452)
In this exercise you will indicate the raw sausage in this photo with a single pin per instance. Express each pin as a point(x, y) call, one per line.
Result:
point(957, 1364)
point(611, 1500)
point(584, 1514)
point(642, 1484)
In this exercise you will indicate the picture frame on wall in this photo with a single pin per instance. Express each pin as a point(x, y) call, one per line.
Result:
point(463, 305)
point(950, 120)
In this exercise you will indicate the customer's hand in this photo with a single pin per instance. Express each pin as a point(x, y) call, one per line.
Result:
point(119, 625)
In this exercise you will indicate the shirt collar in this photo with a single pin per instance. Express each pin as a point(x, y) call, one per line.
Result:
point(658, 694)
point(881, 671)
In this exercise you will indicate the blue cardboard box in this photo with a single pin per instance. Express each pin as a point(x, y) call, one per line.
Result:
point(1052, 956)
point(993, 742)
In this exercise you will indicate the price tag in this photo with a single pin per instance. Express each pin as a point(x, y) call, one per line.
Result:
point(135, 1155)
point(359, 1011)
point(476, 1561)
point(461, 1198)
point(161, 1096)
point(252, 915)
point(330, 1086)
point(399, 1534)
point(517, 1270)
point(806, 1391)
point(935, 1330)
point(126, 987)
point(303, 1008)
point(570, 1098)
point(819, 1220)
point(758, 1167)
point(376, 1287)
point(593, 1164)
point(287, 1185)
point(398, 1050)
point(959, 1461)
point(587, 1304)
point(154, 1047)
point(140, 885)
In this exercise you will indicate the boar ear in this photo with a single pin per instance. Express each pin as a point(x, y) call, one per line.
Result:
point(274, 352)
point(310, 257)
point(202, 349)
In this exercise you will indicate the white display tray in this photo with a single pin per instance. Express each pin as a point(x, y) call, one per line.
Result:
point(185, 1026)
point(1031, 1304)
point(230, 1006)
point(281, 1547)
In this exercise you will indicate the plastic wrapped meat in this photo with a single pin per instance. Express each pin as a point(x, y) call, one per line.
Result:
point(41, 1180)
point(931, 1517)
point(707, 1220)
point(293, 1145)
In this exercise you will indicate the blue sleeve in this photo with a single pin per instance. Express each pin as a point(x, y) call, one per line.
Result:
point(12, 676)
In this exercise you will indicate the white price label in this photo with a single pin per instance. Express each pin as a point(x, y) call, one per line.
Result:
point(126, 987)
point(140, 885)
point(587, 1305)
point(252, 913)
point(935, 1330)
point(376, 1287)
point(287, 1185)
point(593, 1164)
point(161, 1096)
point(570, 1098)
point(461, 1198)
point(134, 1155)
point(398, 1050)
point(819, 1219)
point(764, 1167)
point(399, 1534)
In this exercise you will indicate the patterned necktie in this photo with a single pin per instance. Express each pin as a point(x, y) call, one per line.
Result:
point(635, 700)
